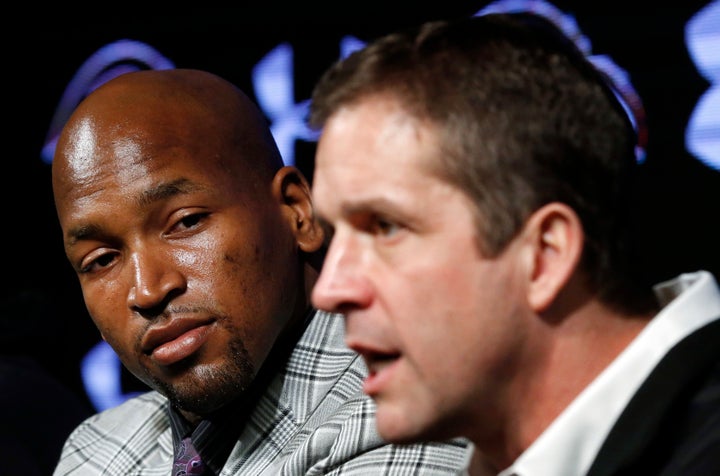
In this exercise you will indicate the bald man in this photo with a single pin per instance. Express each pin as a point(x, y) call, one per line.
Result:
point(196, 250)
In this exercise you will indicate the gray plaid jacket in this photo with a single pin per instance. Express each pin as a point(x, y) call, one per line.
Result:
point(312, 420)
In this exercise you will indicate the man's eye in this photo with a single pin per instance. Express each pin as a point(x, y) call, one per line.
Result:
point(190, 221)
point(97, 263)
point(385, 228)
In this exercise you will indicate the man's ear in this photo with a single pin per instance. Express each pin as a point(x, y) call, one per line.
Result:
point(555, 235)
point(291, 189)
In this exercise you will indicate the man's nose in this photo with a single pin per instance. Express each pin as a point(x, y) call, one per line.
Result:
point(154, 277)
point(343, 282)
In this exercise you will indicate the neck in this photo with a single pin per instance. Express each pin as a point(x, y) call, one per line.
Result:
point(561, 357)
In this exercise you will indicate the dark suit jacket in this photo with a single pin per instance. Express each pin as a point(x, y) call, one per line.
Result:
point(672, 424)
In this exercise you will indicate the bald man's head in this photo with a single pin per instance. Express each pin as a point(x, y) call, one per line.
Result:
point(182, 108)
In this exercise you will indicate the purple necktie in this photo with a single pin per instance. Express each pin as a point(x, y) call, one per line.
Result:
point(188, 460)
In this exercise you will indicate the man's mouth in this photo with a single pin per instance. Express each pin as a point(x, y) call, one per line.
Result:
point(177, 340)
point(181, 347)
point(381, 368)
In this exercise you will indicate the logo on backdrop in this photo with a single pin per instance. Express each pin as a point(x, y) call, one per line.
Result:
point(702, 37)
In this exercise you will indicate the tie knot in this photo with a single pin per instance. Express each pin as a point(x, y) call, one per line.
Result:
point(187, 460)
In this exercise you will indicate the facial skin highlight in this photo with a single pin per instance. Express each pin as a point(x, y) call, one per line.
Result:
point(185, 240)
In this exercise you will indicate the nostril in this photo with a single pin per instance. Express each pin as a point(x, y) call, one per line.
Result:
point(152, 312)
point(157, 308)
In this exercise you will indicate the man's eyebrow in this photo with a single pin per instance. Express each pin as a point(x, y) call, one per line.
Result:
point(367, 205)
point(166, 190)
point(147, 197)
point(81, 233)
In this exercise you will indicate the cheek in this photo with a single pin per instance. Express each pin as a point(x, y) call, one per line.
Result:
point(442, 313)
point(107, 308)
point(223, 262)
point(193, 259)
point(442, 287)
point(239, 270)
point(437, 316)
point(254, 283)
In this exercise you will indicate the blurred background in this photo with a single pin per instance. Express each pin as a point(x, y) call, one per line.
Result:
point(670, 54)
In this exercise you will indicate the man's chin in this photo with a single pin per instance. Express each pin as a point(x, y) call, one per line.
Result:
point(399, 427)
